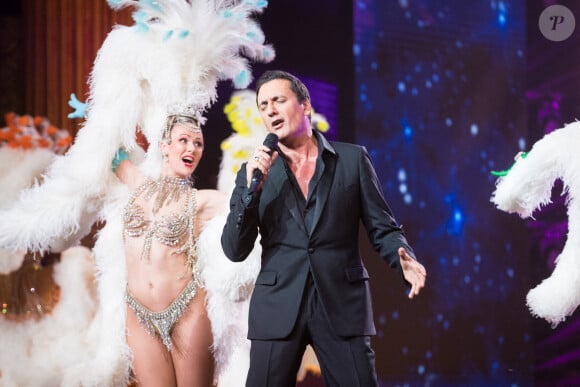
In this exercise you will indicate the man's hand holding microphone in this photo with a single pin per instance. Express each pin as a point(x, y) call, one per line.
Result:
point(259, 164)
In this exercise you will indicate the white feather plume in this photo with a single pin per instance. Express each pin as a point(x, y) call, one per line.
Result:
point(19, 169)
point(526, 188)
point(41, 352)
point(175, 53)
point(228, 286)
point(110, 362)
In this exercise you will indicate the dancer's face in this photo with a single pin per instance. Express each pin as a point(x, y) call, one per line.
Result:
point(181, 156)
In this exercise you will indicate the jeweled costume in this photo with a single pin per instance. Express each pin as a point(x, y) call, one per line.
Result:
point(173, 230)
point(174, 53)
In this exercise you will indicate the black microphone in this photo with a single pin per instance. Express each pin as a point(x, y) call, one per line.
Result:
point(271, 142)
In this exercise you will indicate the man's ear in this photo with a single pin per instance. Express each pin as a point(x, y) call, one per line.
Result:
point(307, 107)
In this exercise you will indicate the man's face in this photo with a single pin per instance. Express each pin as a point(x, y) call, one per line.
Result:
point(280, 110)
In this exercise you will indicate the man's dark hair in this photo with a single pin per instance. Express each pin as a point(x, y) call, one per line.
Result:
point(296, 84)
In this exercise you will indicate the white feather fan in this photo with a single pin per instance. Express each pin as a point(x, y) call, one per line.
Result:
point(175, 54)
point(526, 188)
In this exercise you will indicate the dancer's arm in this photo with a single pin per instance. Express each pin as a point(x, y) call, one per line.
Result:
point(211, 203)
point(125, 170)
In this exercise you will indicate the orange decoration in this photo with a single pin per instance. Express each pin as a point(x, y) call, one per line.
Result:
point(28, 132)
point(65, 141)
point(24, 120)
point(26, 142)
point(43, 143)
point(9, 117)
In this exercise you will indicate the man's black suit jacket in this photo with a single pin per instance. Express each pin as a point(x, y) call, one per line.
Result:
point(347, 192)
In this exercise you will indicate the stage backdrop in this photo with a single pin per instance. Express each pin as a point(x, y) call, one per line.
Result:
point(440, 102)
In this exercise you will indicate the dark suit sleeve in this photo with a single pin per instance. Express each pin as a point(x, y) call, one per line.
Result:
point(384, 233)
point(241, 228)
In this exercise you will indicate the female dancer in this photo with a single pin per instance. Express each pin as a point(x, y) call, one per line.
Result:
point(176, 51)
point(168, 329)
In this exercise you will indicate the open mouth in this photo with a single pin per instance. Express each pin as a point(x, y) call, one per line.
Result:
point(277, 124)
point(188, 161)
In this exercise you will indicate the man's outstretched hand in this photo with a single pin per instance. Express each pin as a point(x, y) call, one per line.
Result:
point(413, 272)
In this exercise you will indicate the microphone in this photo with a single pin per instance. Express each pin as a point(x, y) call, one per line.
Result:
point(271, 142)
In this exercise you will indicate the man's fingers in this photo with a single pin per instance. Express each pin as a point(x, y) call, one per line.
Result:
point(418, 281)
point(416, 288)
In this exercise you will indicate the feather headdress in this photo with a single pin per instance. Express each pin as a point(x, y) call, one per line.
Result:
point(176, 52)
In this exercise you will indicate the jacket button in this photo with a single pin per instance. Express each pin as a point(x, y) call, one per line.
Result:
point(310, 250)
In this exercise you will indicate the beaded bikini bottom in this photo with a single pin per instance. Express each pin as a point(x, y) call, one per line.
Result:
point(162, 323)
